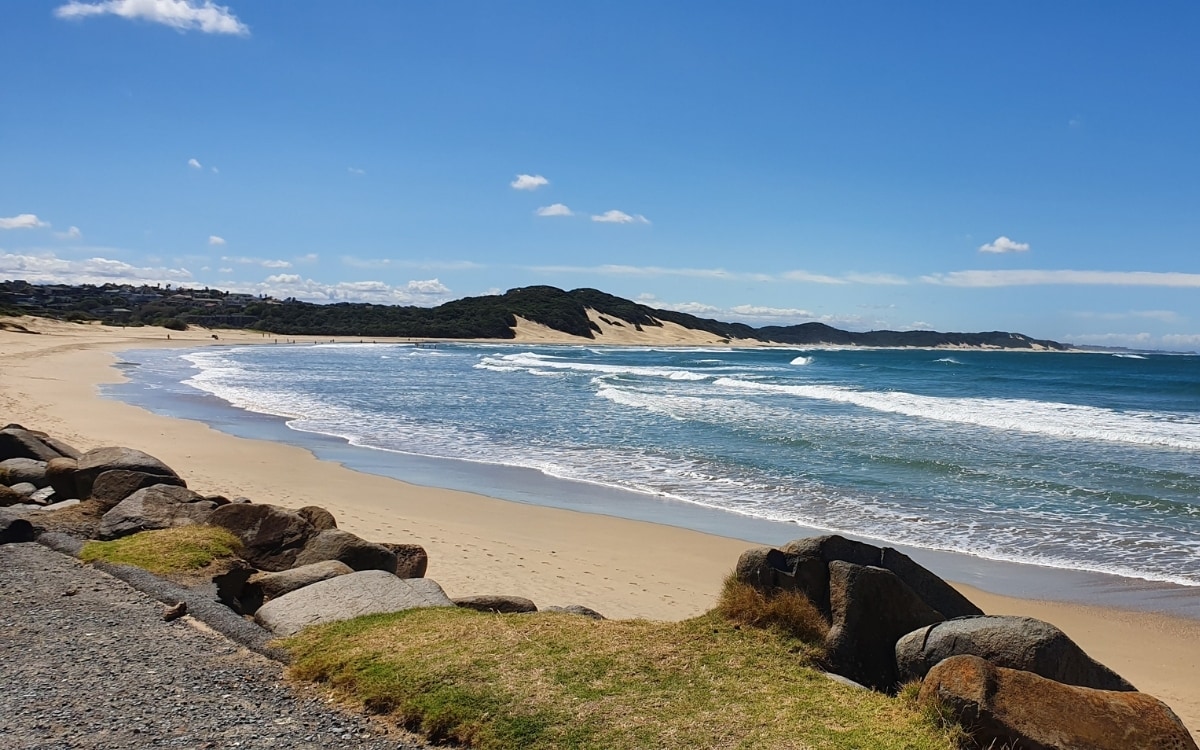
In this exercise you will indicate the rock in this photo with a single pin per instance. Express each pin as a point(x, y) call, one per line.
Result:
point(805, 555)
point(23, 470)
point(321, 519)
point(99, 460)
point(14, 528)
point(576, 609)
point(9, 496)
point(25, 489)
point(1012, 708)
point(505, 605)
point(113, 486)
point(1012, 642)
point(158, 507)
point(62, 505)
point(217, 499)
point(271, 536)
point(60, 473)
point(274, 585)
point(45, 496)
point(411, 559)
point(174, 611)
point(17, 442)
point(358, 553)
point(345, 597)
point(871, 609)
point(60, 447)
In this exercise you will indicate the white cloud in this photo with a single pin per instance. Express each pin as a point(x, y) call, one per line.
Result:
point(1064, 277)
point(424, 265)
point(215, 240)
point(761, 311)
point(215, 170)
point(619, 217)
point(554, 209)
point(621, 270)
point(224, 270)
point(72, 233)
point(356, 171)
point(876, 279)
point(1181, 341)
point(529, 182)
point(811, 278)
point(185, 15)
point(262, 262)
point(309, 258)
point(23, 221)
point(418, 292)
point(195, 164)
point(1003, 244)
point(1131, 340)
point(50, 269)
point(754, 315)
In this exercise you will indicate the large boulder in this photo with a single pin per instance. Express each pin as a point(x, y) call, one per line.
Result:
point(60, 474)
point(14, 528)
point(99, 460)
point(19, 470)
point(271, 536)
point(113, 486)
point(871, 609)
point(411, 559)
point(60, 447)
point(159, 507)
point(1003, 707)
point(1012, 642)
point(344, 597)
point(575, 609)
point(17, 442)
point(498, 604)
point(358, 553)
point(321, 519)
point(803, 557)
point(275, 585)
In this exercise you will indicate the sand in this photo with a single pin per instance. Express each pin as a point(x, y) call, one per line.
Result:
point(477, 544)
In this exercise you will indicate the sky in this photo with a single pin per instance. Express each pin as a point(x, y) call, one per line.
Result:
point(1023, 166)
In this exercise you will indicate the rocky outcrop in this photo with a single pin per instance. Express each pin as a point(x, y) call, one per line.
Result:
point(113, 486)
point(17, 442)
point(275, 585)
point(358, 553)
point(503, 605)
point(1011, 642)
point(411, 559)
point(23, 470)
point(271, 536)
point(345, 597)
point(158, 507)
point(321, 519)
point(9, 496)
point(871, 609)
point(99, 460)
point(60, 474)
point(1012, 708)
point(576, 609)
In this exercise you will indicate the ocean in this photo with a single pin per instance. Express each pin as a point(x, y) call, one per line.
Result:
point(1082, 462)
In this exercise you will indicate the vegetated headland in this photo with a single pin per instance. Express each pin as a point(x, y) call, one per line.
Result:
point(583, 313)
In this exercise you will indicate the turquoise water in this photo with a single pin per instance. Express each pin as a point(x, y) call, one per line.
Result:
point(1086, 462)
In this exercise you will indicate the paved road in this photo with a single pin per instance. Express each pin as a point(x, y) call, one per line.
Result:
point(88, 662)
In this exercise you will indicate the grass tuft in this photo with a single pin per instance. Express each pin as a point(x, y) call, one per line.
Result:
point(789, 612)
point(168, 551)
point(552, 680)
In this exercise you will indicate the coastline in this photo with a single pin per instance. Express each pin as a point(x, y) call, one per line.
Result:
point(479, 544)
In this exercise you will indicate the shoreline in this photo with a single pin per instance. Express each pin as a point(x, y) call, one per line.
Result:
point(479, 544)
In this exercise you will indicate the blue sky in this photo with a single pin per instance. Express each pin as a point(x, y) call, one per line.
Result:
point(959, 166)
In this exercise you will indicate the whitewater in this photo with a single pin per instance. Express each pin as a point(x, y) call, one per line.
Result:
point(1079, 461)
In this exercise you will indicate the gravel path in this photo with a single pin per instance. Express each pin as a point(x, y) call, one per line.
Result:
point(88, 662)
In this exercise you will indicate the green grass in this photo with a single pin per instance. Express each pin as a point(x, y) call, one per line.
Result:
point(169, 551)
point(552, 680)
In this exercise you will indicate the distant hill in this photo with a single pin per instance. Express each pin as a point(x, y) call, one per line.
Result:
point(486, 317)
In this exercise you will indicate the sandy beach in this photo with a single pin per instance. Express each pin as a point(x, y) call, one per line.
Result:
point(477, 544)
